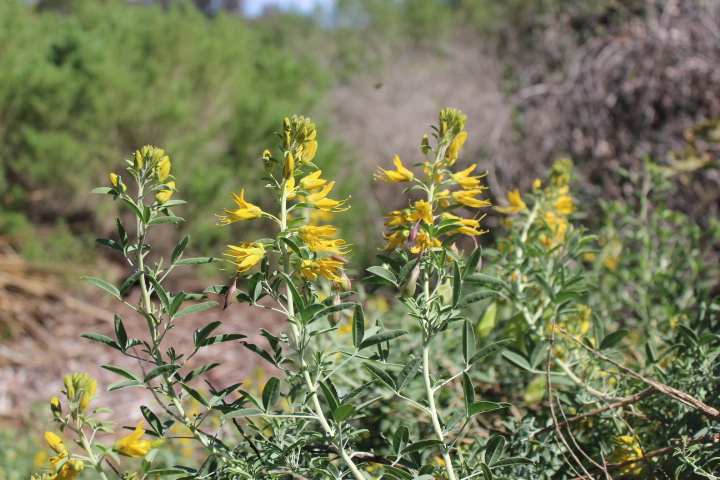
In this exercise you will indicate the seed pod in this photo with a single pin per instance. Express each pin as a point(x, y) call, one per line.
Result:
point(407, 289)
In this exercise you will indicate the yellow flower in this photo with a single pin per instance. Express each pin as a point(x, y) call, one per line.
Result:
point(70, 470)
point(516, 203)
point(469, 225)
point(466, 197)
point(326, 204)
point(115, 180)
point(537, 183)
point(312, 181)
point(453, 150)
point(396, 239)
point(55, 442)
point(163, 168)
point(424, 241)
point(564, 203)
point(164, 195)
point(423, 210)
point(308, 152)
point(324, 267)
point(317, 239)
point(398, 217)
point(246, 211)
point(132, 446)
point(55, 407)
point(466, 181)
point(245, 255)
point(428, 169)
point(626, 448)
point(402, 174)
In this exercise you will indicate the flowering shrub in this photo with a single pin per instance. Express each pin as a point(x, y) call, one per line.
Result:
point(426, 397)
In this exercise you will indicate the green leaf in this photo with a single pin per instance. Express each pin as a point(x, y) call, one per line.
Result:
point(199, 371)
point(299, 303)
point(475, 297)
point(400, 439)
point(227, 337)
point(102, 339)
point(487, 473)
point(468, 341)
point(505, 462)
point(381, 337)
point(409, 372)
point(244, 412)
point(160, 293)
point(202, 333)
point(458, 415)
point(494, 449)
point(517, 359)
point(166, 471)
point(110, 244)
point(481, 279)
point(307, 312)
point(343, 412)
point(198, 261)
point(397, 473)
point(123, 372)
point(383, 272)
point(120, 332)
point(421, 445)
point(487, 321)
point(380, 374)
point(152, 420)
point(162, 369)
point(472, 263)
point(130, 282)
point(546, 286)
point(123, 384)
point(160, 220)
point(480, 407)
point(456, 284)
point(613, 339)
point(468, 391)
point(179, 249)
point(104, 285)
point(177, 301)
point(133, 207)
point(195, 308)
point(104, 190)
point(684, 330)
point(271, 393)
point(195, 394)
point(331, 395)
point(358, 325)
point(330, 310)
point(293, 246)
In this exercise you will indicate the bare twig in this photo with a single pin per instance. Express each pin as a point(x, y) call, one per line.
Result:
point(552, 406)
point(671, 392)
point(625, 401)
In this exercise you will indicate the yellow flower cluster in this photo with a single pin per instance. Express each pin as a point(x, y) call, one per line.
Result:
point(310, 194)
point(556, 207)
point(626, 448)
point(71, 468)
point(424, 222)
point(80, 389)
point(149, 164)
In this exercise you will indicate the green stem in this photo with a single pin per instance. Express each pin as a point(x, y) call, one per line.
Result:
point(300, 342)
point(96, 463)
point(433, 409)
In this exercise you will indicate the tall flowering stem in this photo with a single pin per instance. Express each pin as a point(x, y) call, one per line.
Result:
point(424, 234)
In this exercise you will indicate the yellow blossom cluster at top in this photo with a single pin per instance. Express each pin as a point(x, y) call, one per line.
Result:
point(554, 210)
point(149, 165)
point(424, 222)
point(300, 188)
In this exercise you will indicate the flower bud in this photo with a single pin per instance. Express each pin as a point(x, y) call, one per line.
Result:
point(287, 141)
point(164, 195)
point(414, 232)
point(286, 125)
point(425, 144)
point(289, 165)
point(55, 407)
point(138, 160)
point(230, 295)
point(163, 168)
point(69, 387)
point(84, 402)
point(335, 317)
point(345, 285)
point(116, 181)
point(407, 289)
